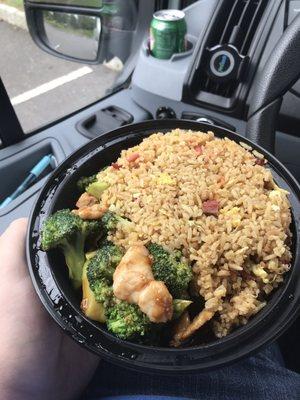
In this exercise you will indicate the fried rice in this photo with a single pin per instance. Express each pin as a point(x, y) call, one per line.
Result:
point(217, 202)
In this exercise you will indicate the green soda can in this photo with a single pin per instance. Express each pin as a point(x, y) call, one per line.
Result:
point(167, 33)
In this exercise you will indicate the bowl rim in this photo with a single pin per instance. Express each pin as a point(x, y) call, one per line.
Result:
point(84, 155)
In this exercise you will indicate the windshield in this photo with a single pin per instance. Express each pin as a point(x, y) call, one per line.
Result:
point(43, 88)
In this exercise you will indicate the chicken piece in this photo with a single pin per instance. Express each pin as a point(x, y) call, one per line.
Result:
point(198, 321)
point(132, 274)
point(156, 302)
point(91, 212)
point(134, 282)
point(85, 200)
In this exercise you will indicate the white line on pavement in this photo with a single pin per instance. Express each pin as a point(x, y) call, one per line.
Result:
point(51, 85)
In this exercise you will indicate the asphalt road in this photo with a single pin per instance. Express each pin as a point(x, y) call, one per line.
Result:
point(23, 67)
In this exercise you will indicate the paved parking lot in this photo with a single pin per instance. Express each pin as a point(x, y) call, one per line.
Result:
point(42, 87)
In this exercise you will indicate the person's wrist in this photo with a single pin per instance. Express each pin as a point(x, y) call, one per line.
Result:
point(21, 394)
point(11, 389)
point(14, 385)
point(13, 394)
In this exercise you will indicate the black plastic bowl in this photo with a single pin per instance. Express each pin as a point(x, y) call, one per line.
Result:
point(49, 274)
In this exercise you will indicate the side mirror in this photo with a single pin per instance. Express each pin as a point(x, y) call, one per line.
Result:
point(88, 31)
point(71, 35)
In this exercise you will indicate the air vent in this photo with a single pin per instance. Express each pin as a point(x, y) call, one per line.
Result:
point(228, 48)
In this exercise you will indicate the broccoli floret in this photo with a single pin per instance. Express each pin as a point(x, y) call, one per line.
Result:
point(85, 181)
point(103, 264)
point(101, 268)
point(97, 281)
point(104, 294)
point(127, 321)
point(168, 268)
point(67, 231)
point(89, 305)
point(111, 219)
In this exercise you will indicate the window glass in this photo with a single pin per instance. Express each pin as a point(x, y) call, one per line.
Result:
point(44, 88)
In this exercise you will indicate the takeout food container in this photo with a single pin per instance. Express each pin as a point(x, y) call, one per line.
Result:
point(50, 277)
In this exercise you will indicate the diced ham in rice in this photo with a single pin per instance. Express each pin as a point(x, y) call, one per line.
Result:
point(211, 207)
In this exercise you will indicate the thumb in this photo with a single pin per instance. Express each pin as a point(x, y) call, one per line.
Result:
point(12, 247)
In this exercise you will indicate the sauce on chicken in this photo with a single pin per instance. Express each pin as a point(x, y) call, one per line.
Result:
point(134, 282)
